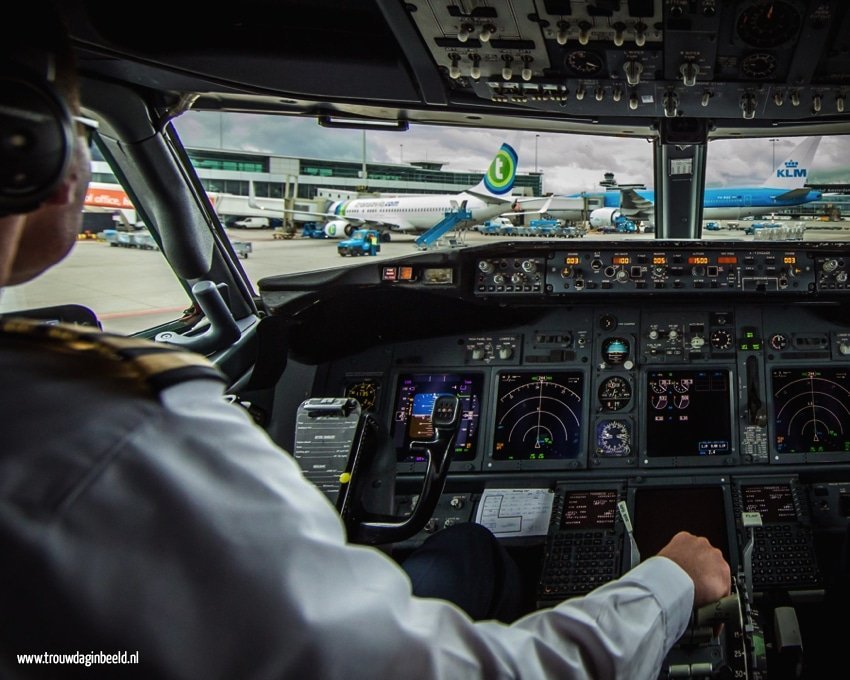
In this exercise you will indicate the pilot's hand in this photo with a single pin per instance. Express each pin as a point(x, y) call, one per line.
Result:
point(703, 563)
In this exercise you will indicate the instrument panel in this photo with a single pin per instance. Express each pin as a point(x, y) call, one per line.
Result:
point(696, 407)
point(639, 386)
point(662, 355)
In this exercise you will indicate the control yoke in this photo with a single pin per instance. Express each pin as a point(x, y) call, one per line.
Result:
point(445, 418)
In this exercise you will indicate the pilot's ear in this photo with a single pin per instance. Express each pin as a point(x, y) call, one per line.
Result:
point(63, 194)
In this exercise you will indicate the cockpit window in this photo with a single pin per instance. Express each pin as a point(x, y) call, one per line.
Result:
point(295, 196)
point(117, 268)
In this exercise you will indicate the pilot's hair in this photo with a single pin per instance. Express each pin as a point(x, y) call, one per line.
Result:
point(36, 40)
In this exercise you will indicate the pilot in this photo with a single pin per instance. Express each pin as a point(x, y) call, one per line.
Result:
point(142, 516)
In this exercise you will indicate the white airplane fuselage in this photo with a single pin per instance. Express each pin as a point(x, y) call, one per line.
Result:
point(415, 213)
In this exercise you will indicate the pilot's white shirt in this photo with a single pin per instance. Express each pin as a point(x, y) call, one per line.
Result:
point(178, 529)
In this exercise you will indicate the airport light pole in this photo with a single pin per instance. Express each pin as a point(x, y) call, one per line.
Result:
point(536, 138)
point(401, 153)
point(364, 175)
point(773, 143)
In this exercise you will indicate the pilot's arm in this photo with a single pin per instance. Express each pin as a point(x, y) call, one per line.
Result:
point(196, 541)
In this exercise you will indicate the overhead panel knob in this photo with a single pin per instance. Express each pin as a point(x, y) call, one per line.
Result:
point(475, 70)
point(465, 31)
point(561, 36)
point(507, 71)
point(689, 71)
point(633, 69)
point(454, 69)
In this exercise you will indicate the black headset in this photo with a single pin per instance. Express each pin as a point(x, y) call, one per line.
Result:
point(36, 139)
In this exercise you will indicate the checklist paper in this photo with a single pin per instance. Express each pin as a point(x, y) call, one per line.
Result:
point(515, 512)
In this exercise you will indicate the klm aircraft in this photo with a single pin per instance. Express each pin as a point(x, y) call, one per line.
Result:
point(782, 189)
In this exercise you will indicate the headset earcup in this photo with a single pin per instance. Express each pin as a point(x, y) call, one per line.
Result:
point(36, 139)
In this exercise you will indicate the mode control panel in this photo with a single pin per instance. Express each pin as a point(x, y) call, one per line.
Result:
point(681, 270)
point(510, 275)
point(832, 273)
point(702, 268)
point(488, 349)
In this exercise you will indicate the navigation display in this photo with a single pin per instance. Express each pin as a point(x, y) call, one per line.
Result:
point(538, 416)
point(811, 410)
point(773, 501)
point(688, 413)
point(414, 403)
point(588, 510)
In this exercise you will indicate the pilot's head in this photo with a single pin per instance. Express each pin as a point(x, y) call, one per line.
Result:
point(44, 156)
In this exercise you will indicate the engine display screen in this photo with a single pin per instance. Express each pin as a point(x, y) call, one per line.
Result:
point(414, 402)
point(688, 413)
point(811, 410)
point(538, 416)
point(662, 512)
point(589, 510)
point(773, 501)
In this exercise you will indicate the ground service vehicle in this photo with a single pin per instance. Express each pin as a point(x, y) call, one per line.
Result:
point(701, 377)
point(362, 242)
point(253, 223)
point(497, 225)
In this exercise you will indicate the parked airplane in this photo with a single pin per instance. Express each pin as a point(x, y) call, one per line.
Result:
point(489, 198)
point(783, 188)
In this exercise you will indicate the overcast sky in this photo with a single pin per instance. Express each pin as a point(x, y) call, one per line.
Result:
point(569, 162)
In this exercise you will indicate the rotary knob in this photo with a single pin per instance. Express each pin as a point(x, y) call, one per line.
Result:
point(529, 266)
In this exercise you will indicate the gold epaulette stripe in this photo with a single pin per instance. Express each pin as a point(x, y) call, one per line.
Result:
point(158, 365)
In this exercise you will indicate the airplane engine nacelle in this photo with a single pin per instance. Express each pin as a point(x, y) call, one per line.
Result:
point(338, 229)
point(604, 217)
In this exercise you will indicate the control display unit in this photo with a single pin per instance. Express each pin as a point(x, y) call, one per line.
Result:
point(414, 403)
point(688, 413)
point(584, 545)
point(539, 416)
point(589, 509)
point(783, 555)
point(773, 502)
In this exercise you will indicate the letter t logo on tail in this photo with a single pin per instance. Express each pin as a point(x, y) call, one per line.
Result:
point(502, 171)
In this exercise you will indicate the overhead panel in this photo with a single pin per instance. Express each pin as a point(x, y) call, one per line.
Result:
point(644, 58)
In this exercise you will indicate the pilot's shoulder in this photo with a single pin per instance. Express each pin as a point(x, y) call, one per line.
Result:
point(155, 365)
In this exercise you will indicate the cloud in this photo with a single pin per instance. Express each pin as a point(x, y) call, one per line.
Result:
point(569, 162)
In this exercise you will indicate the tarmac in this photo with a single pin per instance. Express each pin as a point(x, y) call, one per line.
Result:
point(132, 289)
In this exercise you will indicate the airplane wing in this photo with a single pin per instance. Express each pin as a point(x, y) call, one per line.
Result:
point(490, 198)
point(633, 204)
point(792, 195)
point(400, 224)
point(535, 206)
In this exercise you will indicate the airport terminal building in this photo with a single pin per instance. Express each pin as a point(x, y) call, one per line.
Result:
point(319, 181)
point(278, 177)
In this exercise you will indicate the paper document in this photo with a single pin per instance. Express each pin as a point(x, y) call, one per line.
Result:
point(515, 512)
